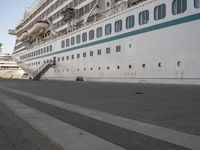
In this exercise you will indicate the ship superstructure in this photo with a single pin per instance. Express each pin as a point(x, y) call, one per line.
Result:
point(111, 40)
point(8, 67)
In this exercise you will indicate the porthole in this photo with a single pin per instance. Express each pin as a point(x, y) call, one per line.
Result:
point(84, 69)
point(91, 68)
point(130, 66)
point(143, 65)
point(118, 67)
point(159, 64)
point(108, 67)
point(130, 45)
point(99, 68)
point(178, 63)
point(78, 69)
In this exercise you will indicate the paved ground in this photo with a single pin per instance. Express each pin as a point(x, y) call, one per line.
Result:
point(111, 115)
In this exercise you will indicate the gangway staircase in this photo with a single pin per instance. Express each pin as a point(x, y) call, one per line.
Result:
point(42, 70)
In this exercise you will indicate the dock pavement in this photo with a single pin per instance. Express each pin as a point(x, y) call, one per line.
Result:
point(69, 115)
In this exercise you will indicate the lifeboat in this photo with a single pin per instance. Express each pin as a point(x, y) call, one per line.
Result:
point(24, 36)
point(38, 28)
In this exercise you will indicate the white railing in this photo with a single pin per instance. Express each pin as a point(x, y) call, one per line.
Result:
point(29, 11)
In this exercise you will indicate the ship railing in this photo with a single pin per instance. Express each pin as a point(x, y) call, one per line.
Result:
point(42, 69)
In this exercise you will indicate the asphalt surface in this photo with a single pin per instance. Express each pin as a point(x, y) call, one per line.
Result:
point(16, 134)
point(171, 106)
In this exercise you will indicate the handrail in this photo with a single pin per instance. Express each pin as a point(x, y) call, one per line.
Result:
point(43, 67)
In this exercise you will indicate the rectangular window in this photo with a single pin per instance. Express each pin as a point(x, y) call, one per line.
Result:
point(179, 6)
point(47, 49)
point(160, 12)
point(144, 17)
point(197, 3)
point(51, 48)
point(118, 25)
point(72, 56)
point(108, 50)
point(67, 42)
point(72, 41)
point(62, 44)
point(99, 52)
point(78, 39)
point(44, 49)
point(84, 37)
point(91, 35)
point(41, 51)
point(91, 53)
point(108, 29)
point(130, 22)
point(63, 58)
point(78, 56)
point(118, 48)
point(84, 54)
point(99, 32)
point(67, 57)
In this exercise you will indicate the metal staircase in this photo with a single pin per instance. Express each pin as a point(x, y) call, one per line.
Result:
point(42, 70)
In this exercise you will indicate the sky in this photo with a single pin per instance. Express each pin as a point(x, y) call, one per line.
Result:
point(11, 12)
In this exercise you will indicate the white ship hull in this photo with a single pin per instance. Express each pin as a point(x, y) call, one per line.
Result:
point(163, 51)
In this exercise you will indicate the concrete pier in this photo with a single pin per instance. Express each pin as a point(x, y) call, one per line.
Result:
point(65, 115)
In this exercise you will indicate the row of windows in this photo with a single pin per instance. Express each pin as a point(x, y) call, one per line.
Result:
point(91, 53)
point(178, 6)
point(38, 52)
point(179, 64)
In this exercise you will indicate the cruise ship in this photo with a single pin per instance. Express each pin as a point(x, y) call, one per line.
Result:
point(8, 67)
point(142, 41)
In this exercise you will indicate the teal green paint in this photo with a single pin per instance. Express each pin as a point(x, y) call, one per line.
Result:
point(132, 33)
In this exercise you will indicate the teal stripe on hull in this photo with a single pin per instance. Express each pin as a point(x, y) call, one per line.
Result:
point(128, 34)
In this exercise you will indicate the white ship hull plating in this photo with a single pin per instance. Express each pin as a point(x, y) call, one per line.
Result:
point(163, 51)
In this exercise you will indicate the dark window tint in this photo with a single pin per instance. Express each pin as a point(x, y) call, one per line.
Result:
point(197, 3)
point(108, 50)
point(144, 17)
point(91, 35)
point(78, 39)
point(130, 21)
point(84, 37)
point(51, 48)
point(62, 44)
point(67, 42)
point(160, 12)
point(179, 6)
point(72, 41)
point(118, 48)
point(91, 53)
point(99, 52)
point(84, 54)
point(99, 32)
point(108, 29)
point(118, 25)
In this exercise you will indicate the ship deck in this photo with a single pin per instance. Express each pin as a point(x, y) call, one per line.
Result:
point(55, 115)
